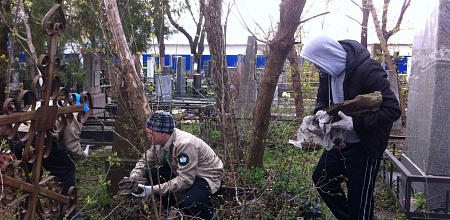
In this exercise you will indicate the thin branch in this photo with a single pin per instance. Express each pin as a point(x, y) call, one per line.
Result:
point(244, 24)
point(406, 4)
point(229, 6)
point(348, 16)
point(315, 16)
point(360, 7)
point(188, 6)
point(177, 26)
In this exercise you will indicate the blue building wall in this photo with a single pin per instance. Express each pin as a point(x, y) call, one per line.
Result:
point(231, 60)
point(403, 64)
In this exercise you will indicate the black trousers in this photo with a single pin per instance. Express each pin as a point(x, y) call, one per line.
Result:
point(352, 165)
point(196, 201)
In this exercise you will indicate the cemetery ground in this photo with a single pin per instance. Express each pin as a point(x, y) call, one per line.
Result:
point(283, 191)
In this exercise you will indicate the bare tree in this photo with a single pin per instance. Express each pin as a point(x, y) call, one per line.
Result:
point(161, 44)
point(215, 37)
point(198, 41)
point(297, 85)
point(384, 35)
point(29, 41)
point(365, 20)
point(5, 8)
point(280, 45)
point(137, 97)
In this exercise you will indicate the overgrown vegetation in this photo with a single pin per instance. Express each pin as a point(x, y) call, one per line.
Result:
point(284, 190)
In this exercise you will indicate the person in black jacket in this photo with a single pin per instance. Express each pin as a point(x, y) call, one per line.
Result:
point(346, 70)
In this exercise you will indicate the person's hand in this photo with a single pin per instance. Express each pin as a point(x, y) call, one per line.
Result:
point(86, 152)
point(142, 191)
point(345, 123)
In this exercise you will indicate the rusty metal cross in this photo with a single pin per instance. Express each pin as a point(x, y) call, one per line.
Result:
point(17, 183)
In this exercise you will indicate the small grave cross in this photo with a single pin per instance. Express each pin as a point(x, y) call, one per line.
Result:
point(18, 184)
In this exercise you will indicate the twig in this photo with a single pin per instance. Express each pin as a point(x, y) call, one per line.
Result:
point(315, 16)
point(113, 210)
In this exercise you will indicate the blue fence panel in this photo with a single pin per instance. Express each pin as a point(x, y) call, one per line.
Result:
point(403, 64)
point(231, 60)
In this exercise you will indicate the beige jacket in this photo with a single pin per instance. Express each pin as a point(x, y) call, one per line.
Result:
point(191, 158)
point(69, 136)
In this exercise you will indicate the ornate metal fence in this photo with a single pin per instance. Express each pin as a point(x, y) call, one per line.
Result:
point(42, 196)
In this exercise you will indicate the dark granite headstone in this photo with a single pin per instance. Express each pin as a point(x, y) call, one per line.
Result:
point(197, 84)
point(125, 143)
point(180, 86)
point(207, 67)
point(91, 63)
point(428, 123)
point(191, 65)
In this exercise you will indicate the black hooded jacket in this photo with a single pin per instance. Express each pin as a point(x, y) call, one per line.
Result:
point(363, 75)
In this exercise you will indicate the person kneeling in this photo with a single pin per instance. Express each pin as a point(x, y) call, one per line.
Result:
point(180, 163)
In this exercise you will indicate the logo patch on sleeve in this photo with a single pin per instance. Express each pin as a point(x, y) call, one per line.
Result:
point(183, 159)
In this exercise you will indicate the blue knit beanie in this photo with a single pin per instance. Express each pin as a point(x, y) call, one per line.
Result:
point(162, 122)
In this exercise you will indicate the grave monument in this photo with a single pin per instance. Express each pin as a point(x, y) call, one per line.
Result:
point(180, 86)
point(427, 140)
point(247, 88)
point(91, 62)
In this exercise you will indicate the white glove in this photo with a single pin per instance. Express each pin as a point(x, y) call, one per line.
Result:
point(345, 123)
point(86, 152)
point(147, 191)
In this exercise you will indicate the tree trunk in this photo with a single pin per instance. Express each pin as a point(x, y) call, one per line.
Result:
point(197, 41)
point(137, 97)
point(213, 15)
point(201, 48)
point(162, 51)
point(365, 21)
point(387, 54)
point(383, 43)
point(4, 33)
point(161, 44)
point(31, 60)
point(290, 11)
point(297, 85)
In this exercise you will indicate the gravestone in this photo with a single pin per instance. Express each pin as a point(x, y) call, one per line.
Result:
point(207, 67)
point(163, 85)
point(197, 84)
point(15, 81)
point(125, 143)
point(180, 86)
point(247, 88)
point(151, 67)
point(91, 63)
point(240, 64)
point(191, 65)
point(427, 139)
point(236, 76)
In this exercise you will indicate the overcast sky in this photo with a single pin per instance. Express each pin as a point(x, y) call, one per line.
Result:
point(337, 24)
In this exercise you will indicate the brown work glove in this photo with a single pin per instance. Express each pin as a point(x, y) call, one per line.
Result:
point(128, 184)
